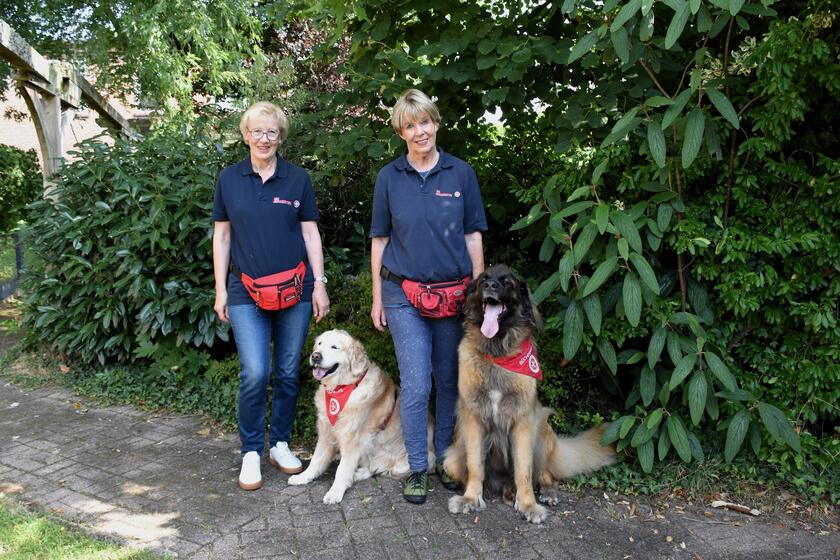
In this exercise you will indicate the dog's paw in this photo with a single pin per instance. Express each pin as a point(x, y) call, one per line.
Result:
point(461, 504)
point(549, 496)
point(362, 473)
point(299, 479)
point(334, 496)
point(534, 513)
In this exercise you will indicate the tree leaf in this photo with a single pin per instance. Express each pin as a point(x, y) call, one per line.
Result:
point(647, 385)
point(645, 272)
point(601, 275)
point(572, 330)
point(679, 438)
point(697, 392)
point(755, 437)
point(656, 142)
point(723, 106)
point(546, 288)
point(677, 25)
point(592, 308)
point(626, 425)
point(645, 454)
point(602, 216)
point(632, 297)
point(681, 371)
point(778, 425)
point(674, 347)
point(642, 434)
point(610, 434)
point(735, 434)
point(693, 136)
point(627, 229)
point(533, 215)
point(663, 216)
point(664, 444)
point(605, 348)
point(584, 241)
point(621, 44)
point(657, 342)
point(735, 6)
point(676, 108)
point(583, 46)
point(574, 208)
point(565, 269)
point(622, 127)
point(629, 10)
point(719, 369)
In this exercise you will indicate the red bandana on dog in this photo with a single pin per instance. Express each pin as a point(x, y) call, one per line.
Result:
point(335, 399)
point(525, 362)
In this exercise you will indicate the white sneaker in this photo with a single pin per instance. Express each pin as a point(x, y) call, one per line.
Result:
point(250, 477)
point(282, 457)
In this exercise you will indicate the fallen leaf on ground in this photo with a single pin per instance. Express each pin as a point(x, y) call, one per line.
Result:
point(735, 507)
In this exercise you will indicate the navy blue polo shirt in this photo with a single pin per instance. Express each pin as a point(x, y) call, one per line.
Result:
point(426, 220)
point(265, 218)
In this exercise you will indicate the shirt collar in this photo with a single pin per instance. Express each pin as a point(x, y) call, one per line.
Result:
point(280, 170)
point(444, 161)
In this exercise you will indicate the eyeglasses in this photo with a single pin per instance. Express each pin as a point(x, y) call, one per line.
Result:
point(270, 135)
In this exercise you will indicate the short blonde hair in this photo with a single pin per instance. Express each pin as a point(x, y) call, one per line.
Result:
point(410, 106)
point(265, 109)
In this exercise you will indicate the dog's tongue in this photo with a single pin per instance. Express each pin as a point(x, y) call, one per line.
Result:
point(319, 373)
point(490, 326)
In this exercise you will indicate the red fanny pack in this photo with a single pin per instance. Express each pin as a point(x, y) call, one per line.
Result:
point(439, 300)
point(276, 291)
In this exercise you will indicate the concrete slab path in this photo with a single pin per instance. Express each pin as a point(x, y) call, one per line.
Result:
point(168, 483)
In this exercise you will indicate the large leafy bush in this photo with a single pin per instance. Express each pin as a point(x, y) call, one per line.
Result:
point(124, 250)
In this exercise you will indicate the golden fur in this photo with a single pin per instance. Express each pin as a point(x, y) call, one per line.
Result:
point(368, 433)
point(503, 441)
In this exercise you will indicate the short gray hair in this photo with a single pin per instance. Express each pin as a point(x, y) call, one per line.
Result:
point(412, 104)
point(266, 109)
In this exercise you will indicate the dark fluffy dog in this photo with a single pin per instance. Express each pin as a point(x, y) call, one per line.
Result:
point(503, 440)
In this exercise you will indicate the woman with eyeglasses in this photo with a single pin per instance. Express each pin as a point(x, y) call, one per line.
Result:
point(268, 265)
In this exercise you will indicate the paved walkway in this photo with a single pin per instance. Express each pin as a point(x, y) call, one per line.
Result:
point(169, 484)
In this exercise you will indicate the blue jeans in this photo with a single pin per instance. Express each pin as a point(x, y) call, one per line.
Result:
point(426, 349)
point(253, 330)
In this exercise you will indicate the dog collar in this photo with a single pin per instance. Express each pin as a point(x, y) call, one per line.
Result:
point(335, 399)
point(525, 362)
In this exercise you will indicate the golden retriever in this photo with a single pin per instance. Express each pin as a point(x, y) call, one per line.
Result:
point(502, 437)
point(365, 429)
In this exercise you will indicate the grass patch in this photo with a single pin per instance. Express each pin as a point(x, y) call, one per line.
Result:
point(30, 535)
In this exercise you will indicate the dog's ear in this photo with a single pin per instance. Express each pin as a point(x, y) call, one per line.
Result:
point(472, 306)
point(357, 360)
point(529, 308)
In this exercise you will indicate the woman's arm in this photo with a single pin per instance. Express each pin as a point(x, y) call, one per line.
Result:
point(221, 262)
point(475, 249)
point(377, 312)
point(315, 254)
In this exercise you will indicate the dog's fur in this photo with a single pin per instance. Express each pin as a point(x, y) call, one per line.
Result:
point(366, 447)
point(503, 440)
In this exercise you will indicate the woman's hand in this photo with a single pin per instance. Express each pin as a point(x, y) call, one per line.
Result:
point(220, 306)
point(377, 315)
point(320, 301)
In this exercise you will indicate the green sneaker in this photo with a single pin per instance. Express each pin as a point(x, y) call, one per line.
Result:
point(416, 487)
point(451, 484)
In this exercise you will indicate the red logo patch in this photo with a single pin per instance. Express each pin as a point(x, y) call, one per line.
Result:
point(441, 193)
point(278, 200)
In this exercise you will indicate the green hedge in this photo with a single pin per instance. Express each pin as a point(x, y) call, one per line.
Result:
point(125, 255)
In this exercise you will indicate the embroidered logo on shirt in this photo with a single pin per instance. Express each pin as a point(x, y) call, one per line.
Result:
point(296, 204)
point(441, 193)
point(278, 200)
point(457, 194)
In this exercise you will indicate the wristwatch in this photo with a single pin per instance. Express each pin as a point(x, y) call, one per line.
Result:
point(321, 279)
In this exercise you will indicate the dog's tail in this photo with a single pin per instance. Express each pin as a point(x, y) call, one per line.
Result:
point(580, 454)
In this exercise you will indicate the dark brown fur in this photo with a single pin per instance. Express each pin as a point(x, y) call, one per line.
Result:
point(503, 442)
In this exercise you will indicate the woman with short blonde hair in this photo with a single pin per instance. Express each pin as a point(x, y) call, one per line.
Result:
point(426, 227)
point(265, 109)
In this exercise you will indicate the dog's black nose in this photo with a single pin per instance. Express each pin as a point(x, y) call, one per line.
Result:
point(315, 358)
point(490, 284)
